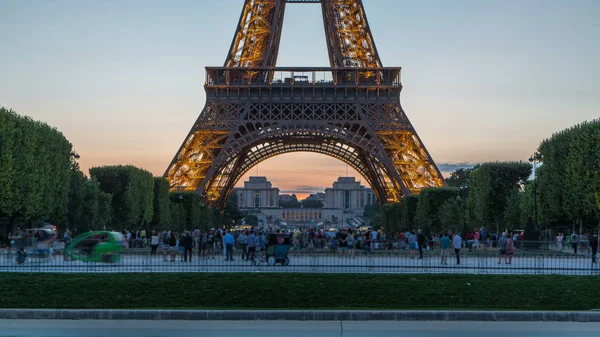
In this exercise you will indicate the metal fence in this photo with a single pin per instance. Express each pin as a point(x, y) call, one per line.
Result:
point(325, 261)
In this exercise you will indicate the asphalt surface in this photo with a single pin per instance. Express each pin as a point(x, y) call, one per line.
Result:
point(96, 328)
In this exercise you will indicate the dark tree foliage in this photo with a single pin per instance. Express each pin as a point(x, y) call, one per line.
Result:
point(251, 220)
point(431, 200)
point(409, 211)
point(160, 201)
point(530, 235)
point(290, 204)
point(311, 203)
point(459, 178)
point(188, 212)
point(569, 179)
point(133, 191)
point(34, 170)
point(490, 184)
point(391, 217)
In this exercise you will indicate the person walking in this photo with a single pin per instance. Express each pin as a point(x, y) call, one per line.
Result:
point(457, 244)
point(444, 245)
point(154, 241)
point(574, 241)
point(412, 244)
point(243, 242)
point(251, 239)
point(502, 248)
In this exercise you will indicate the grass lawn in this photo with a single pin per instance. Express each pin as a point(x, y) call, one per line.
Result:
point(298, 291)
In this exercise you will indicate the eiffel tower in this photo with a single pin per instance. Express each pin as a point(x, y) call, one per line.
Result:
point(350, 111)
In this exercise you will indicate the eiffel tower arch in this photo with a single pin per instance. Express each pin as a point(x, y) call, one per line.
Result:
point(350, 111)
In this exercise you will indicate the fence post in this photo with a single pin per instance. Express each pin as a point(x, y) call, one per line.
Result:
point(314, 263)
point(539, 264)
point(370, 263)
point(482, 264)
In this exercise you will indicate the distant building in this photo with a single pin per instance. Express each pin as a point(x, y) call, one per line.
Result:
point(259, 197)
point(302, 215)
point(257, 193)
point(349, 194)
point(345, 202)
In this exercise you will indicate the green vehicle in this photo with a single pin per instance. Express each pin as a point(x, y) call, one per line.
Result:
point(101, 246)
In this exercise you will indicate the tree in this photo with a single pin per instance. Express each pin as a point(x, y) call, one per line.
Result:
point(89, 214)
point(569, 179)
point(428, 208)
point(371, 211)
point(489, 186)
point(76, 197)
point(391, 217)
point(512, 212)
point(530, 235)
point(450, 214)
point(459, 178)
point(104, 210)
point(409, 211)
point(311, 203)
point(34, 170)
point(8, 190)
point(160, 201)
point(251, 220)
point(133, 192)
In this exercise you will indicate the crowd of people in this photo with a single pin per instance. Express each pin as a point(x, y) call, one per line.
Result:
point(347, 242)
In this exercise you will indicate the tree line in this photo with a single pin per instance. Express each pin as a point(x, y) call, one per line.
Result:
point(41, 181)
point(564, 194)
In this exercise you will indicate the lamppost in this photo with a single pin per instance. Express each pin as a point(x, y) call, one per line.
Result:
point(536, 157)
point(74, 157)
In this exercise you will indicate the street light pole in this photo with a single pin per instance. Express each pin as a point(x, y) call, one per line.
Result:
point(74, 157)
point(535, 158)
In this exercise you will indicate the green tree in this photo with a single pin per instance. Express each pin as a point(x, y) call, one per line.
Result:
point(104, 210)
point(8, 151)
point(512, 212)
point(311, 203)
point(450, 215)
point(489, 186)
point(89, 214)
point(459, 178)
point(428, 208)
point(133, 192)
point(569, 179)
point(251, 220)
point(409, 211)
point(160, 201)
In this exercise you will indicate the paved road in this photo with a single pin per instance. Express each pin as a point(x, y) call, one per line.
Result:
point(43, 328)
point(473, 264)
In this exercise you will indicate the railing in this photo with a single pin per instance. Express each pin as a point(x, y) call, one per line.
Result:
point(307, 77)
point(317, 261)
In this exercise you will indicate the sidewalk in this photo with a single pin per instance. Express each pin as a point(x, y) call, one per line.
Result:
point(304, 315)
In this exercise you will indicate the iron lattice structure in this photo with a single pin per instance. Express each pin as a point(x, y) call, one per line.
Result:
point(350, 111)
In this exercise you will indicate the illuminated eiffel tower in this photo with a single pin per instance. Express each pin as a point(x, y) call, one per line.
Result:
point(350, 111)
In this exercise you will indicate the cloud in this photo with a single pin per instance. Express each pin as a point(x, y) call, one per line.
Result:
point(451, 167)
point(168, 84)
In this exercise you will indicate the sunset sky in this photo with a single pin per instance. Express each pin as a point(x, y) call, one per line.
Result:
point(123, 79)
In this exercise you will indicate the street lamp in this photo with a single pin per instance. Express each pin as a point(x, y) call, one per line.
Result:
point(74, 156)
point(536, 157)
